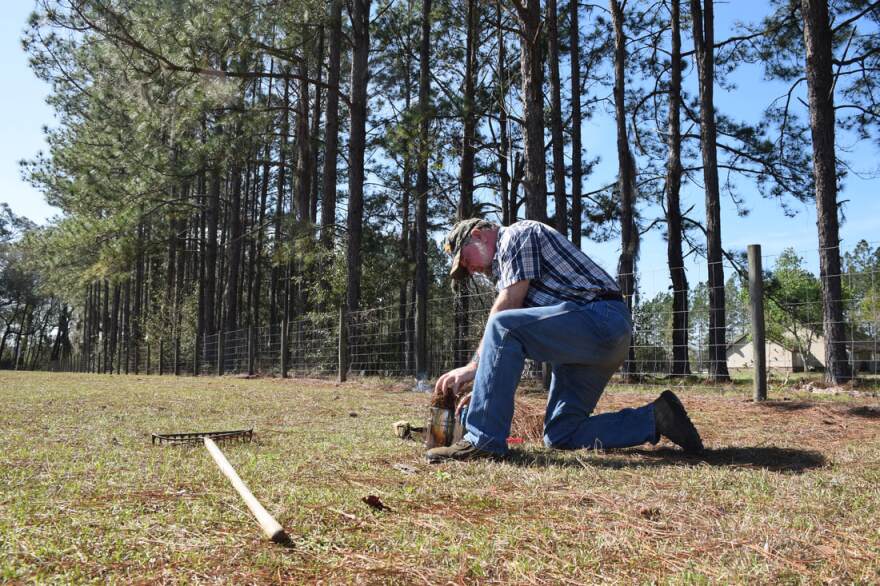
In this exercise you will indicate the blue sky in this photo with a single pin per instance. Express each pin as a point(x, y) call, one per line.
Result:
point(766, 225)
point(23, 113)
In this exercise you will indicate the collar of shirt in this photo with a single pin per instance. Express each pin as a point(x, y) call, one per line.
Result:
point(496, 268)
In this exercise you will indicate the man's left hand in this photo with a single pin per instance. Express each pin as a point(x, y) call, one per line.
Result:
point(456, 377)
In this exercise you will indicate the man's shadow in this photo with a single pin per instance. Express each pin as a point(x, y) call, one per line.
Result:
point(774, 459)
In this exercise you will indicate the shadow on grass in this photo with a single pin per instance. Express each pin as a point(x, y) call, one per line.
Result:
point(786, 405)
point(785, 460)
point(865, 411)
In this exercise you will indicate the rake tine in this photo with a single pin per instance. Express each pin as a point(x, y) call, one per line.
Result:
point(244, 435)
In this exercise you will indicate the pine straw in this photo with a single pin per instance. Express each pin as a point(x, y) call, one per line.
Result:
point(786, 493)
point(528, 419)
point(528, 415)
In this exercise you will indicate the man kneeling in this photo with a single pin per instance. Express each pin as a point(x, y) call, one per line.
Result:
point(554, 305)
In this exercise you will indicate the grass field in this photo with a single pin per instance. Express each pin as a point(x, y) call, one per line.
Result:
point(788, 491)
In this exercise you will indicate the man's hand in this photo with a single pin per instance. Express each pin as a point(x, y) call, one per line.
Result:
point(462, 403)
point(456, 377)
point(510, 297)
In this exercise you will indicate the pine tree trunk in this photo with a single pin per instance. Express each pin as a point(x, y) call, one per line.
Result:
point(704, 41)
point(421, 219)
point(519, 169)
point(278, 289)
point(576, 171)
point(360, 22)
point(8, 330)
point(222, 258)
point(406, 237)
point(233, 263)
point(95, 328)
point(180, 273)
point(314, 133)
point(820, 91)
point(680, 361)
point(303, 188)
point(98, 327)
point(22, 325)
point(137, 310)
point(402, 296)
point(261, 237)
point(532, 70)
point(88, 325)
point(127, 327)
point(629, 238)
point(37, 350)
point(303, 143)
point(171, 260)
point(331, 127)
point(6, 333)
point(559, 195)
point(202, 201)
point(469, 120)
point(253, 231)
point(403, 306)
point(105, 327)
point(212, 214)
point(55, 355)
point(504, 145)
point(114, 328)
point(466, 175)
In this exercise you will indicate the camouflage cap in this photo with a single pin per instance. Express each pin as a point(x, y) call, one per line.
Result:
point(455, 241)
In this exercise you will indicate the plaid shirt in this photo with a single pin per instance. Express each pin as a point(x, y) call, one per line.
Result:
point(556, 269)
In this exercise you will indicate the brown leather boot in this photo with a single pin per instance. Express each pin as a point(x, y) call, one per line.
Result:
point(460, 450)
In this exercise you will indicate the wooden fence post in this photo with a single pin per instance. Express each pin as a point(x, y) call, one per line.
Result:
point(221, 351)
point(176, 354)
point(252, 349)
point(148, 359)
point(197, 354)
point(342, 375)
point(284, 343)
point(161, 356)
point(756, 304)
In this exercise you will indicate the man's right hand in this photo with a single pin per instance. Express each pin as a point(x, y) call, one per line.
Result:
point(456, 377)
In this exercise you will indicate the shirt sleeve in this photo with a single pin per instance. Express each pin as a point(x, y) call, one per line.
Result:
point(519, 257)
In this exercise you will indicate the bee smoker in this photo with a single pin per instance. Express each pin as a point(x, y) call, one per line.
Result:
point(444, 428)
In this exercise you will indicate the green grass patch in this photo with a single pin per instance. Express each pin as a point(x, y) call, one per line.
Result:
point(788, 492)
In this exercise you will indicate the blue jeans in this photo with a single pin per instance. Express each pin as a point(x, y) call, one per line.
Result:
point(585, 345)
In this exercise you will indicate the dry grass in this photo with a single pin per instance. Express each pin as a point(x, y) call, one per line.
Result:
point(787, 492)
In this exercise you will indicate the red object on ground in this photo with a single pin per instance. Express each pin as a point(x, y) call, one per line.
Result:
point(515, 440)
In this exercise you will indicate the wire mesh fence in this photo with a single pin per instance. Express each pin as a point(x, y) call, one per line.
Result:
point(818, 317)
point(690, 335)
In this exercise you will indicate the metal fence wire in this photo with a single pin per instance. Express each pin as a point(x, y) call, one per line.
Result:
point(669, 346)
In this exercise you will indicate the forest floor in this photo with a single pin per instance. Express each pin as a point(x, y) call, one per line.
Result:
point(788, 491)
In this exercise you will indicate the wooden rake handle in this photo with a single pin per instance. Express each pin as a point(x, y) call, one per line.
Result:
point(270, 526)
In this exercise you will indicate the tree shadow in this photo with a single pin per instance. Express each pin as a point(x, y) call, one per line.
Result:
point(774, 459)
point(786, 405)
point(865, 411)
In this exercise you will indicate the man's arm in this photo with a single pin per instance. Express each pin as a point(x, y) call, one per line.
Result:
point(511, 297)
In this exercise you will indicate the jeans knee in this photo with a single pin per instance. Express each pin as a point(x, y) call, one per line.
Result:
point(496, 324)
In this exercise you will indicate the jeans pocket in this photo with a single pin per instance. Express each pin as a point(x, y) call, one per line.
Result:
point(618, 325)
point(594, 320)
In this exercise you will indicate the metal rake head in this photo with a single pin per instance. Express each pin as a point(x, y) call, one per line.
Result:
point(243, 435)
